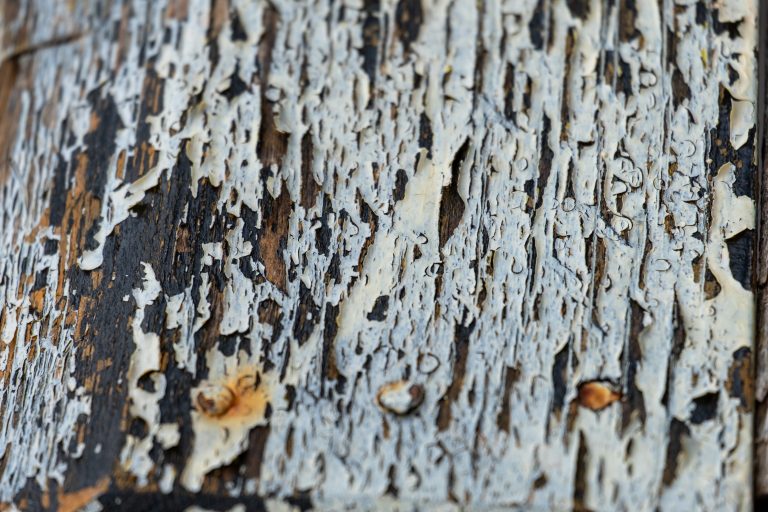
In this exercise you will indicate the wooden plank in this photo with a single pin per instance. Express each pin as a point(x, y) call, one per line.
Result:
point(405, 254)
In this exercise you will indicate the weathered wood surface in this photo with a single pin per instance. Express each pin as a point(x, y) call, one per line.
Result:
point(377, 254)
point(761, 276)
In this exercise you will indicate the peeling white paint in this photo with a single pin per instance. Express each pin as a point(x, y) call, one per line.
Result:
point(144, 403)
point(591, 216)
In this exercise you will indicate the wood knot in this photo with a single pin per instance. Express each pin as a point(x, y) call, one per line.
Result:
point(596, 395)
point(215, 400)
point(400, 397)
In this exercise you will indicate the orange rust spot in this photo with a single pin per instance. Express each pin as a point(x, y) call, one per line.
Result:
point(596, 395)
point(244, 395)
point(76, 500)
point(215, 400)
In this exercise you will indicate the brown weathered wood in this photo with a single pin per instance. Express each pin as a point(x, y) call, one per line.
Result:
point(761, 384)
point(385, 254)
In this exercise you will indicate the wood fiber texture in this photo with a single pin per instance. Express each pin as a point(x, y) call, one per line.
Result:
point(378, 255)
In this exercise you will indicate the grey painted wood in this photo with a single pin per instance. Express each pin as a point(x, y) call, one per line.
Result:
point(377, 255)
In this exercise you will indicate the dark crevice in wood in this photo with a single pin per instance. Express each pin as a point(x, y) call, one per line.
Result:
point(401, 180)
point(118, 500)
point(59, 194)
point(408, 21)
point(598, 259)
point(27, 49)
point(391, 478)
point(721, 152)
point(371, 43)
point(451, 204)
point(309, 186)
point(272, 144)
point(100, 141)
point(705, 408)
point(545, 162)
point(461, 351)
point(634, 403)
point(677, 432)
point(623, 78)
point(680, 89)
point(579, 8)
point(580, 475)
point(627, 21)
point(274, 236)
point(565, 93)
point(480, 57)
point(236, 86)
point(306, 316)
point(328, 365)
point(676, 348)
point(368, 216)
point(238, 30)
point(536, 26)
point(324, 232)
point(511, 376)
point(425, 134)
point(509, 92)
point(740, 254)
point(740, 383)
point(379, 311)
point(711, 286)
point(560, 379)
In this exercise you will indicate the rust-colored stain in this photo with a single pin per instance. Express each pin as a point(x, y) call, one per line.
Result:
point(215, 400)
point(76, 500)
point(596, 395)
point(245, 395)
